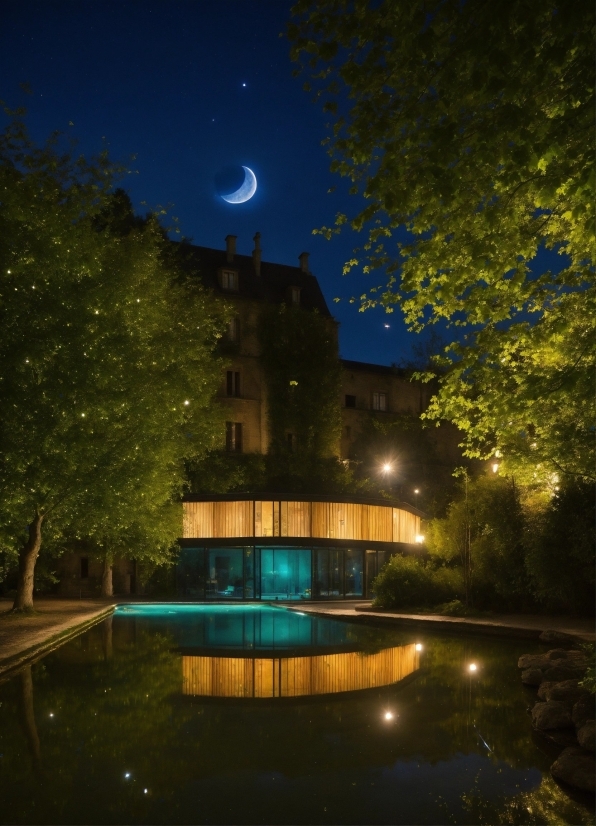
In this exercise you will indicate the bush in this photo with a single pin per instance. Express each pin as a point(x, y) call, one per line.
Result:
point(408, 582)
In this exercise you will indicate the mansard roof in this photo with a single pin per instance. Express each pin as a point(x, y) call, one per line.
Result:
point(271, 286)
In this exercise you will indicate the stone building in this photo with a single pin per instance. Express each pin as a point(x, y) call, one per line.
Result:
point(368, 391)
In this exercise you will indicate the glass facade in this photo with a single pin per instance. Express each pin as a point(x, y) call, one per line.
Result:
point(272, 573)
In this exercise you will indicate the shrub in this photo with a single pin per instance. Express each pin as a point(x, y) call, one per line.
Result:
point(407, 582)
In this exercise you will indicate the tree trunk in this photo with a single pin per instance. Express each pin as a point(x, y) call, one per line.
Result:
point(28, 716)
point(27, 559)
point(107, 588)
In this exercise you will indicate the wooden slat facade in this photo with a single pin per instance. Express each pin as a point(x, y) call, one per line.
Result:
point(296, 676)
point(316, 520)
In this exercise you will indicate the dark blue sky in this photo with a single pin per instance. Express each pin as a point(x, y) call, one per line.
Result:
point(164, 81)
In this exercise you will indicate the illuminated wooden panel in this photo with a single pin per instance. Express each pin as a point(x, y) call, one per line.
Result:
point(297, 519)
point(263, 518)
point(232, 519)
point(198, 520)
point(296, 676)
point(319, 520)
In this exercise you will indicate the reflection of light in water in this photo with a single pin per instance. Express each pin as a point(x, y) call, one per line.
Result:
point(296, 676)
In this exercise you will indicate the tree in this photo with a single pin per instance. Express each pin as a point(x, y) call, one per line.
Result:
point(469, 134)
point(302, 375)
point(483, 533)
point(106, 360)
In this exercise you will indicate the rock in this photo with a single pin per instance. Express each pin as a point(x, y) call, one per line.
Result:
point(533, 661)
point(544, 689)
point(551, 715)
point(567, 691)
point(563, 671)
point(583, 710)
point(531, 676)
point(576, 767)
point(558, 637)
point(557, 654)
point(587, 735)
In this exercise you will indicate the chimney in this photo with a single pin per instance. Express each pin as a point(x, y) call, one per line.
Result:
point(256, 254)
point(230, 248)
point(303, 258)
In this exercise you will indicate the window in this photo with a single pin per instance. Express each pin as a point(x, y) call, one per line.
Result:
point(233, 383)
point(379, 401)
point(233, 333)
point(229, 280)
point(84, 568)
point(234, 437)
point(350, 401)
point(295, 295)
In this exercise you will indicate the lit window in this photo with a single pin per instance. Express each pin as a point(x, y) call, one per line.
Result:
point(379, 401)
point(229, 280)
point(234, 437)
point(233, 383)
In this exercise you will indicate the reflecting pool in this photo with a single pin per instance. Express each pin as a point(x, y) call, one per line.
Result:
point(256, 714)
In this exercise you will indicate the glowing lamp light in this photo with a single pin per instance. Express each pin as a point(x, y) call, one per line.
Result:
point(472, 668)
point(187, 402)
point(145, 791)
point(419, 539)
point(126, 775)
point(386, 467)
point(495, 467)
point(388, 715)
point(416, 490)
point(51, 713)
point(418, 646)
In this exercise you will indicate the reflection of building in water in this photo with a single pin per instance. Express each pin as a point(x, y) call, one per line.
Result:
point(296, 676)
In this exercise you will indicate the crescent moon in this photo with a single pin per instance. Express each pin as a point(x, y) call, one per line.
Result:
point(246, 191)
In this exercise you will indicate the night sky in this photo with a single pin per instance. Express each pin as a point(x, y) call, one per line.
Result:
point(188, 88)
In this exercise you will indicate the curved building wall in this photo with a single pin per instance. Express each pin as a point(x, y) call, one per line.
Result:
point(256, 518)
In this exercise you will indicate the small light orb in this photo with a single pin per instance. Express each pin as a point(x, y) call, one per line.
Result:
point(472, 667)
point(495, 467)
point(418, 646)
point(386, 326)
point(127, 775)
point(416, 490)
point(186, 402)
point(386, 467)
point(389, 715)
point(145, 791)
point(51, 713)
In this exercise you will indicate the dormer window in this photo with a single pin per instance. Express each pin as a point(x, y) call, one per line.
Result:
point(294, 296)
point(229, 280)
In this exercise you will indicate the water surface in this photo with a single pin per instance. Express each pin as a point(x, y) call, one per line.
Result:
point(108, 729)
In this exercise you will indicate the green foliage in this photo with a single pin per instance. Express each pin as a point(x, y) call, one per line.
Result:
point(302, 375)
point(407, 582)
point(473, 131)
point(107, 369)
point(483, 533)
point(222, 472)
point(560, 550)
point(406, 442)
